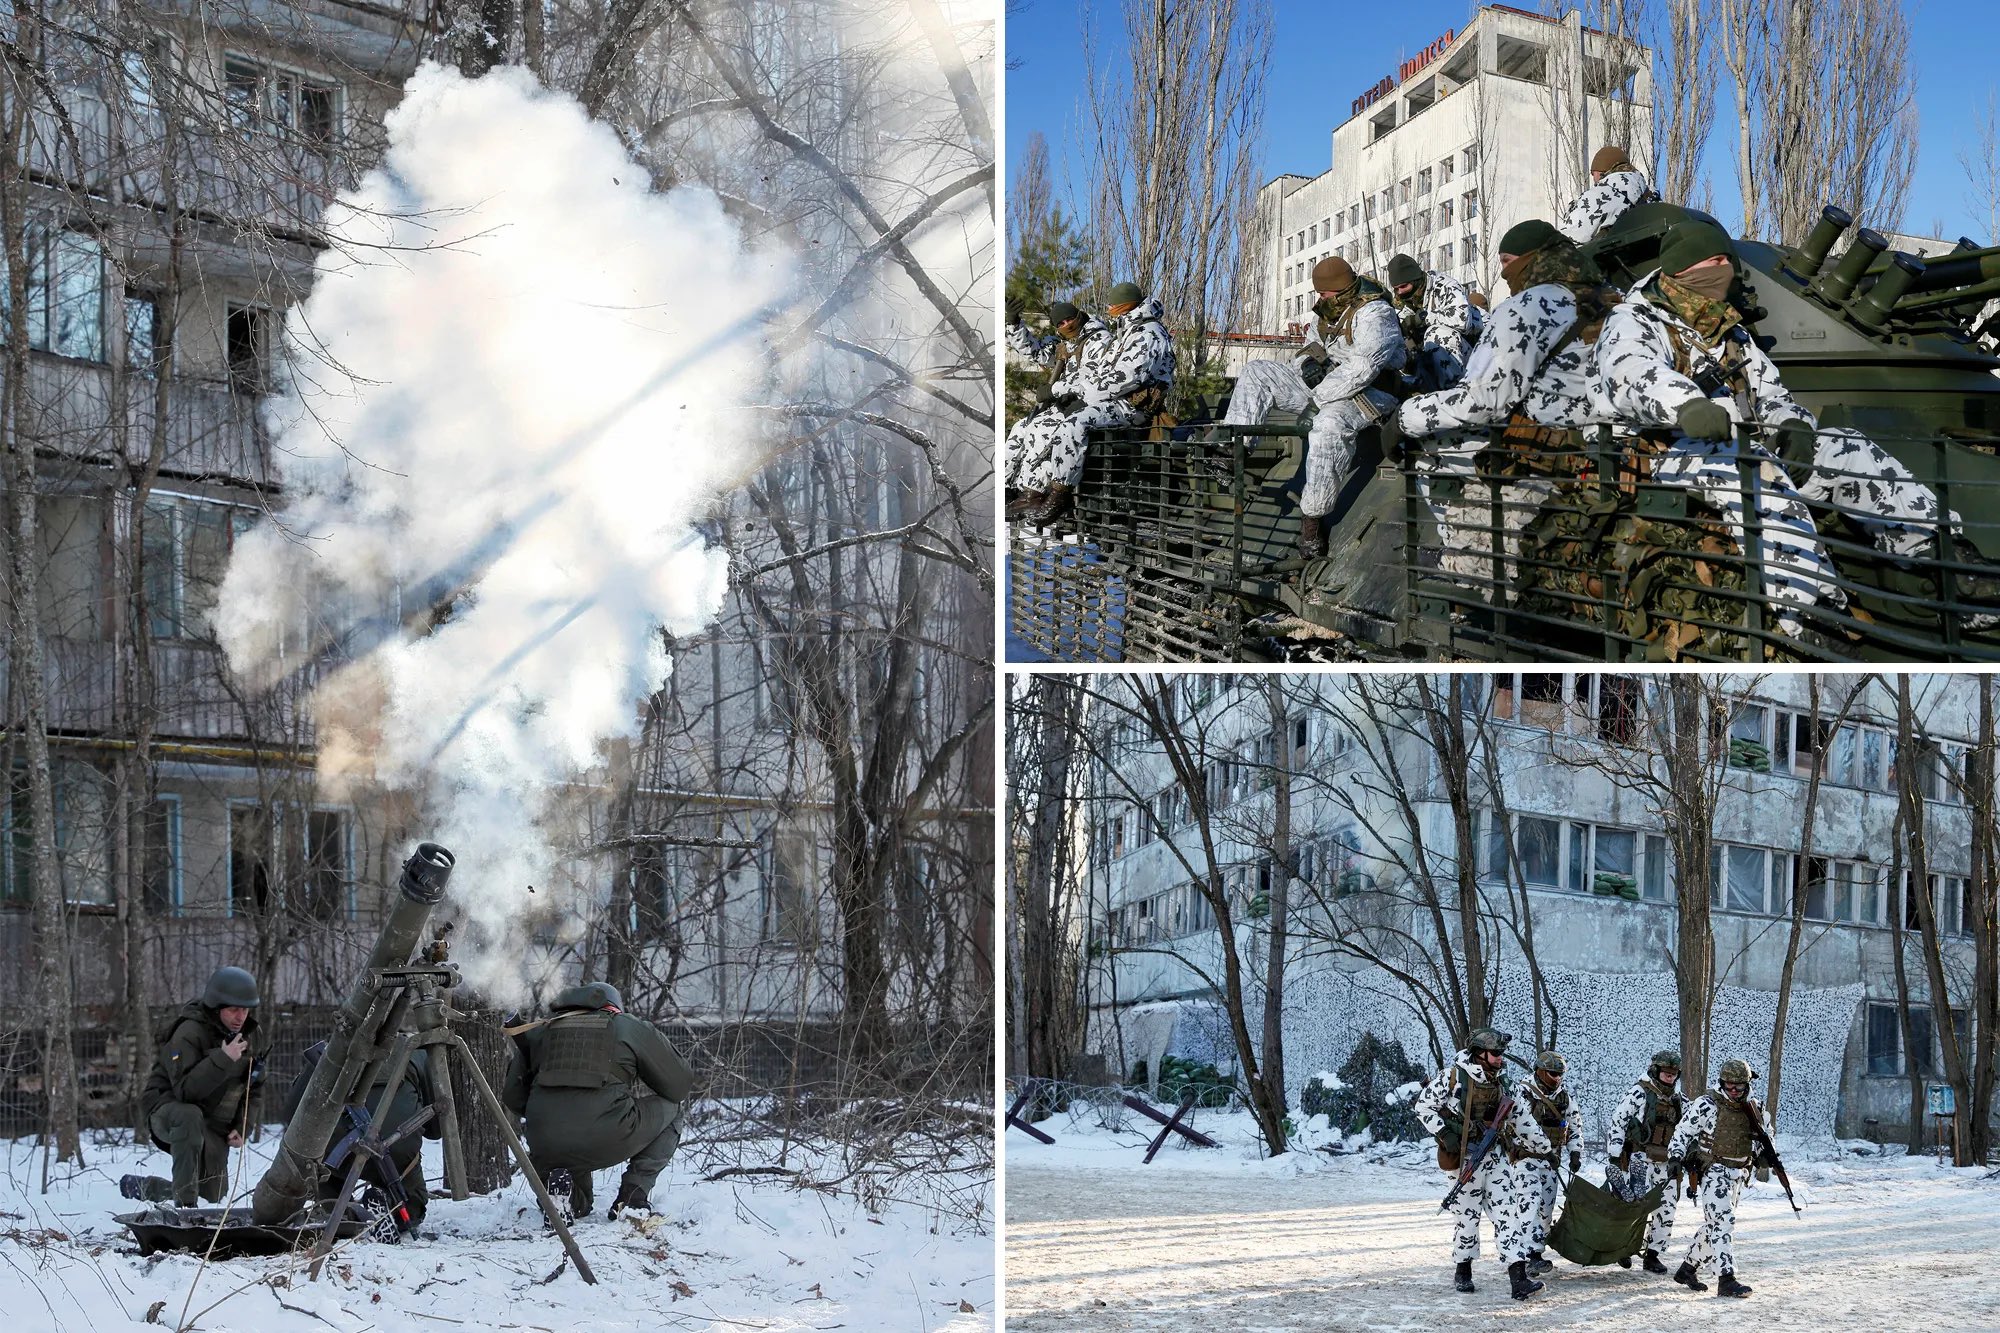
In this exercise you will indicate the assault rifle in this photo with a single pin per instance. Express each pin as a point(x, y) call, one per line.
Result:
point(1469, 1165)
point(1763, 1143)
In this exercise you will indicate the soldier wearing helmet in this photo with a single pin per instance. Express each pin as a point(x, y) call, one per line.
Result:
point(1641, 1129)
point(197, 1100)
point(597, 1088)
point(1717, 1141)
point(1457, 1108)
point(1556, 1112)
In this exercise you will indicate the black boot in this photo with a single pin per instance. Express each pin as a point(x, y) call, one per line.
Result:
point(1312, 538)
point(146, 1189)
point(560, 1186)
point(1652, 1262)
point(1024, 504)
point(1537, 1264)
point(1727, 1285)
point(631, 1199)
point(1054, 507)
point(1461, 1276)
point(1625, 1261)
point(1686, 1276)
point(1524, 1286)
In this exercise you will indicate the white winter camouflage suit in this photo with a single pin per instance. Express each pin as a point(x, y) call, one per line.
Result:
point(1540, 1172)
point(1720, 1185)
point(1637, 376)
point(1643, 1171)
point(1451, 326)
point(1500, 1190)
point(1374, 345)
point(1601, 205)
point(1513, 369)
point(1033, 438)
point(1141, 354)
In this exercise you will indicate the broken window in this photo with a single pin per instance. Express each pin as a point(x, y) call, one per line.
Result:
point(248, 332)
point(160, 866)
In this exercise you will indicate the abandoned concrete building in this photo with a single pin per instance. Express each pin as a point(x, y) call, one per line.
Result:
point(1569, 830)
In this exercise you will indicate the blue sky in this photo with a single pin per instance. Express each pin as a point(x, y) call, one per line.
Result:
point(1327, 53)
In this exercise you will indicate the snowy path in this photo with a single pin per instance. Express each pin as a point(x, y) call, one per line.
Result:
point(1210, 1240)
point(728, 1256)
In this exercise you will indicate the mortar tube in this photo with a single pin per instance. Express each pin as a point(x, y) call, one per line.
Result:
point(286, 1186)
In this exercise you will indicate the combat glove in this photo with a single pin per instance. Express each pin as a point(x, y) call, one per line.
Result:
point(1044, 396)
point(1575, 1161)
point(1070, 402)
point(1794, 440)
point(1015, 305)
point(1702, 419)
point(1675, 1168)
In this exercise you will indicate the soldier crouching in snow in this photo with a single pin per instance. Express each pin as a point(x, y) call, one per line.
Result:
point(1556, 1112)
point(197, 1101)
point(1457, 1108)
point(1716, 1144)
point(1642, 1129)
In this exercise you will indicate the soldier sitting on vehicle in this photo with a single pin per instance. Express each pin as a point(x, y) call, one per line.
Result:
point(1440, 322)
point(1125, 385)
point(1058, 414)
point(1718, 1141)
point(197, 1100)
point(1531, 380)
point(1616, 186)
point(1681, 316)
point(597, 1087)
point(1347, 373)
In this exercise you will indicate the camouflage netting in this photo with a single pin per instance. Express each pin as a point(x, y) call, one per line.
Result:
point(1667, 578)
point(1372, 1092)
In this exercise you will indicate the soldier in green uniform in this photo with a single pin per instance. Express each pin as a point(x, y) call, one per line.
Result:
point(597, 1087)
point(1641, 1128)
point(197, 1100)
point(1556, 1112)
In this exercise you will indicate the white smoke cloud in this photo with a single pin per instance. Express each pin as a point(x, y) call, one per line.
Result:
point(519, 377)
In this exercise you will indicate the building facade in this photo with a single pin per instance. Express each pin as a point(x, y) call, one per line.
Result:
point(176, 197)
point(1487, 126)
point(1567, 833)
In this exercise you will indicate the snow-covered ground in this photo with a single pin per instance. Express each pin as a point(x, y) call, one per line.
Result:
point(1218, 1239)
point(736, 1254)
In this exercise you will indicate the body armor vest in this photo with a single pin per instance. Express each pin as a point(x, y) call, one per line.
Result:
point(1663, 1115)
point(1551, 1112)
point(578, 1053)
point(1731, 1141)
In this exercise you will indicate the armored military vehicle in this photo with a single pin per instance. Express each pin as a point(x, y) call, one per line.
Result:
point(1182, 545)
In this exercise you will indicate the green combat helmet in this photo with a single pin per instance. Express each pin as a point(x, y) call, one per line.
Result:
point(1487, 1039)
point(230, 987)
point(1552, 1063)
point(1735, 1071)
point(1663, 1060)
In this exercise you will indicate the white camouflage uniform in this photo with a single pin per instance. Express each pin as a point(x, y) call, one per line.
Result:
point(1033, 437)
point(1720, 1184)
point(1141, 353)
point(1849, 471)
point(1540, 1173)
point(1375, 345)
point(1512, 369)
point(1637, 377)
point(1499, 1190)
point(1642, 1172)
point(1451, 327)
point(1601, 205)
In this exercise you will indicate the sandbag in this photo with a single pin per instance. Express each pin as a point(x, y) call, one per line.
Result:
point(1597, 1227)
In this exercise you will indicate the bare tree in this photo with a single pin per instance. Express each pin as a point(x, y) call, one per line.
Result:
point(1980, 159)
point(1683, 101)
point(1046, 720)
point(1173, 138)
point(1031, 197)
point(1851, 690)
